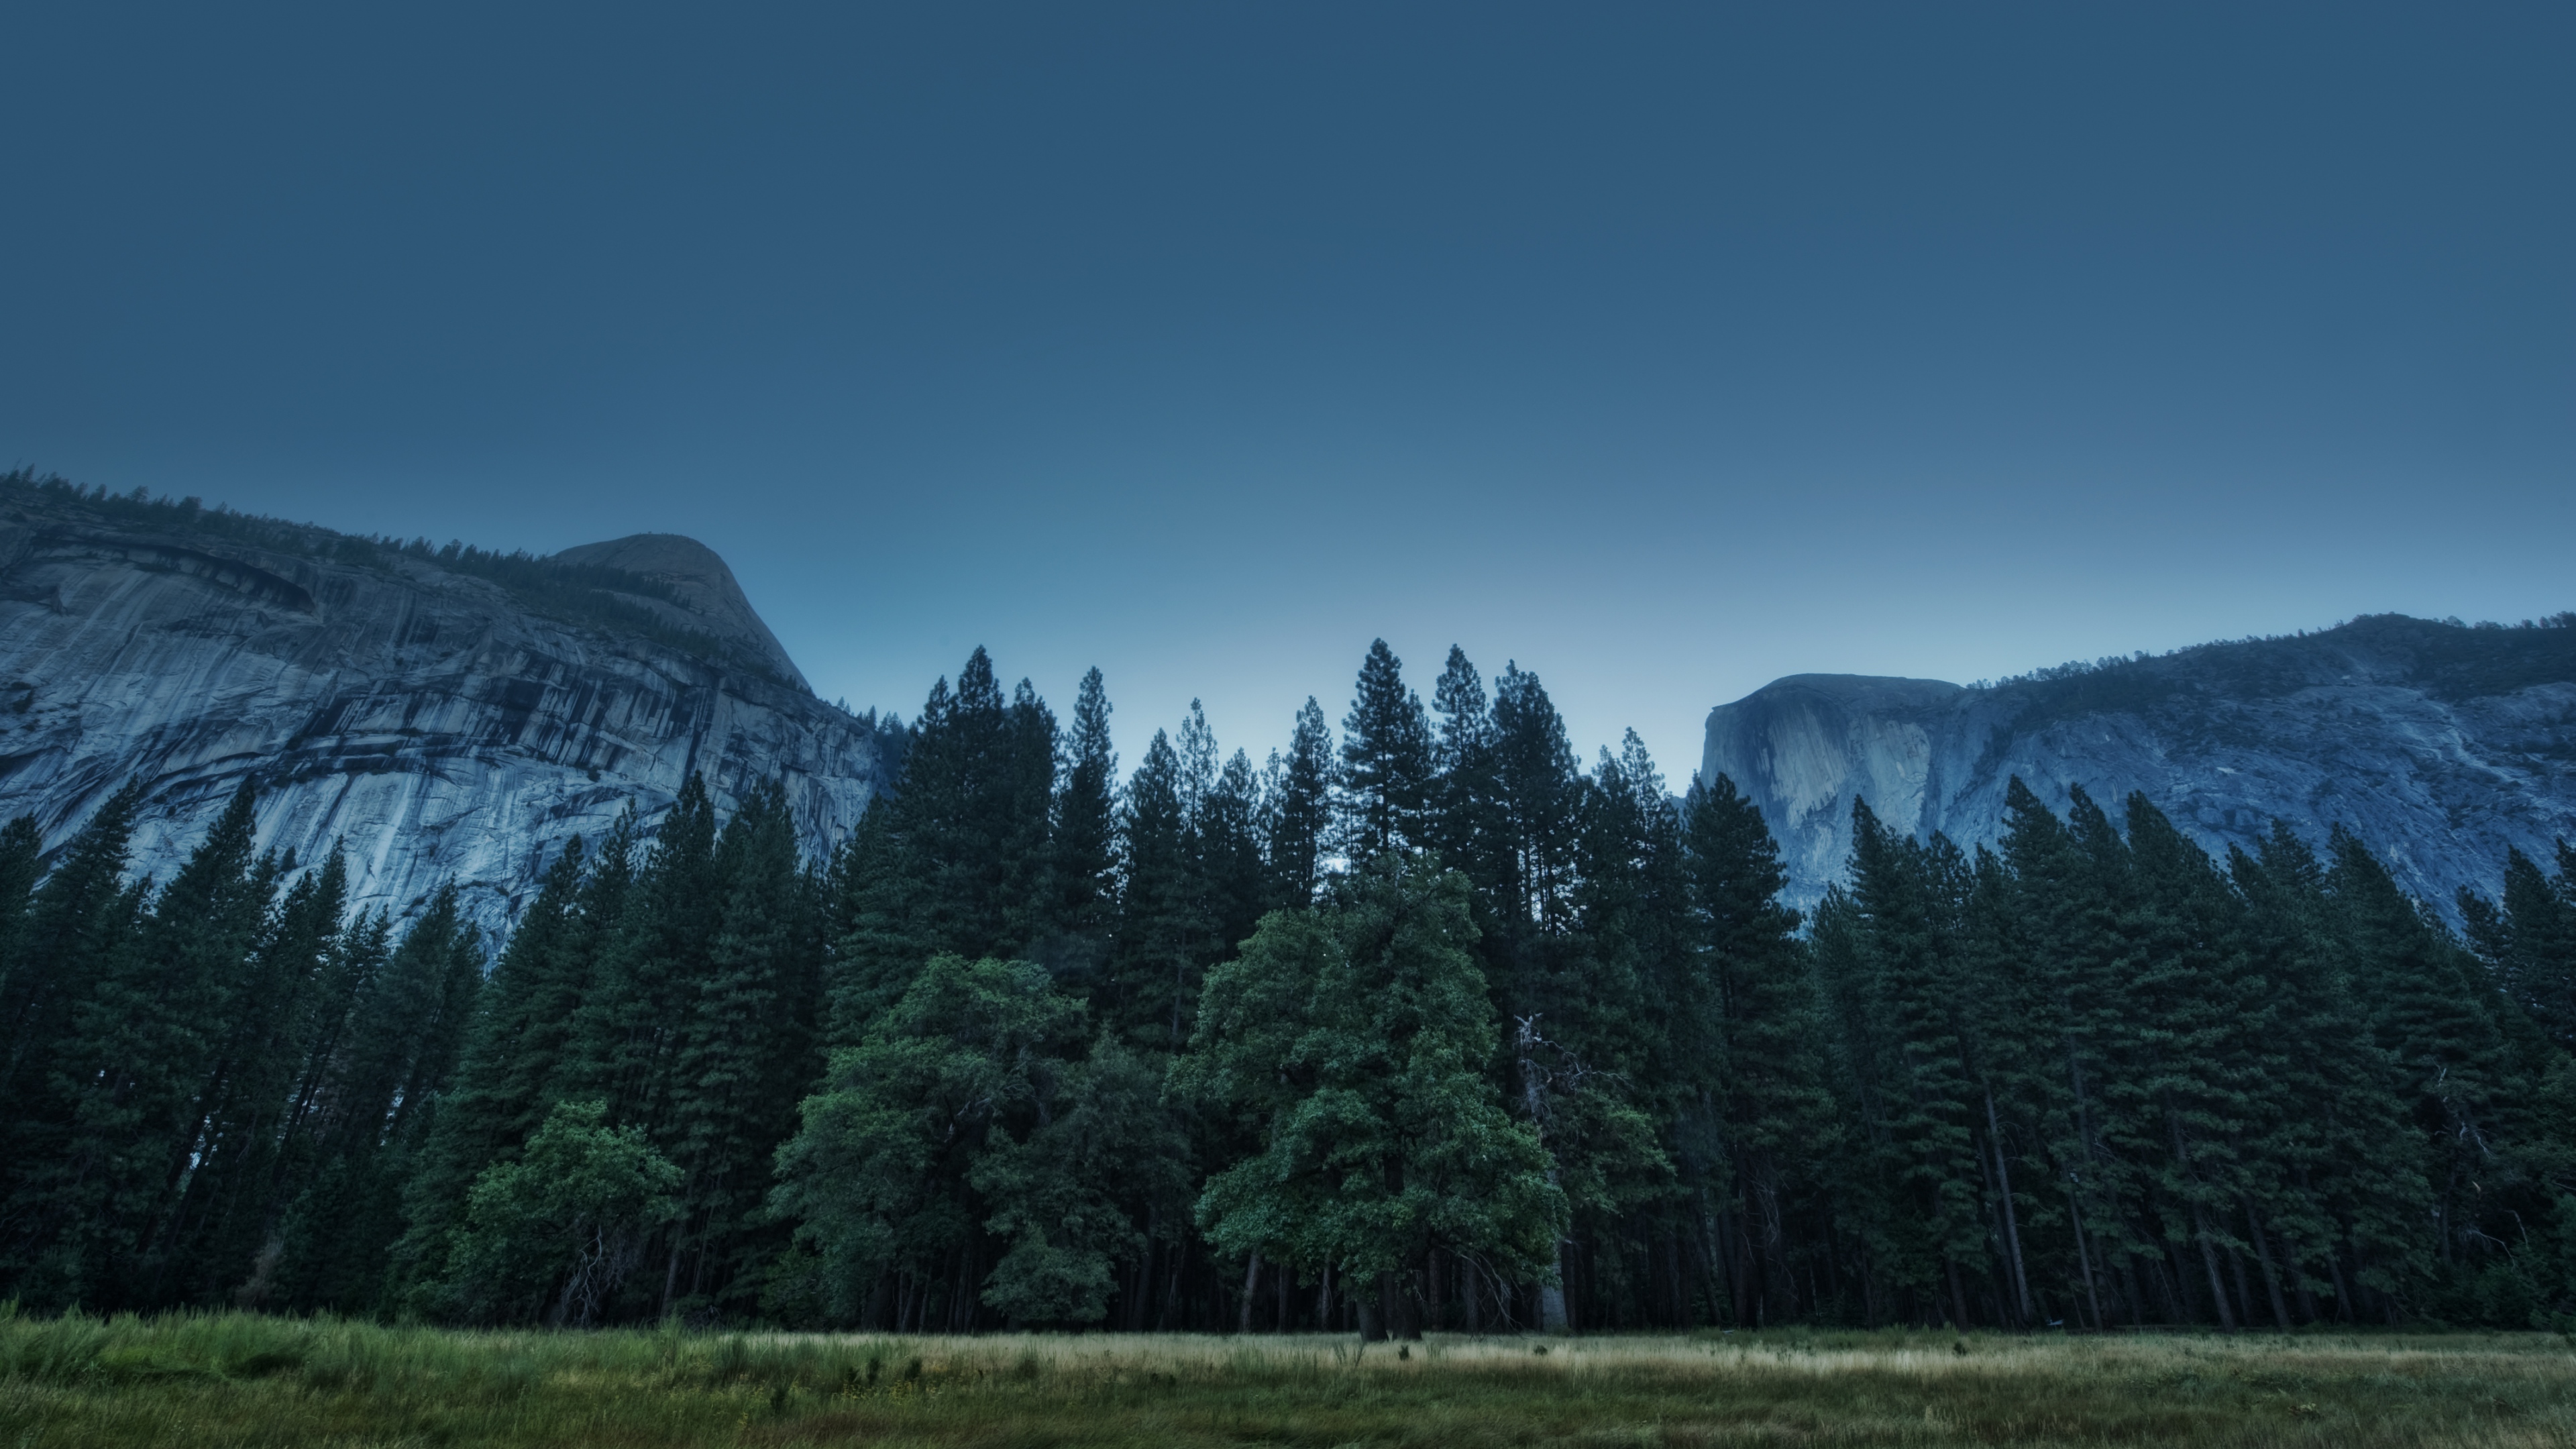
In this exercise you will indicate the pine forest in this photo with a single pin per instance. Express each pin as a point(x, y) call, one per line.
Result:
point(1421, 1027)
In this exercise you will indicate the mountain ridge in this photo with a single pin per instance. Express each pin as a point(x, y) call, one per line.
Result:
point(438, 713)
point(2439, 744)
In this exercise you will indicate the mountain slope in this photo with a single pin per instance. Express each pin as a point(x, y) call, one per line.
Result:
point(2438, 744)
point(448, 715)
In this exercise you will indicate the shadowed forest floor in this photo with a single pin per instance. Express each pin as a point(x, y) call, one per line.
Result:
point(243, 1380)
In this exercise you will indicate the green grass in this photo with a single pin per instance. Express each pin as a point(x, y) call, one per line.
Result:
point(239, 1379)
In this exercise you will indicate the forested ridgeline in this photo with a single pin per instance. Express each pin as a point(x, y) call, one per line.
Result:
point(1427, 1027)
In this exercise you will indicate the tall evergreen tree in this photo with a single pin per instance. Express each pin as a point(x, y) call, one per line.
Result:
point(1383, 791)
point(75, 1101)
point(2531, 942)
point(1084, 850)
point(1749, 1032)
point(1298, 807)
point(748, 1049)
point(1163, 930)
point(405, 1028)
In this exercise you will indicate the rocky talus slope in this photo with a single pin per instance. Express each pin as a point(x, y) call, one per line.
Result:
point(437, 718)
point(2438, 744)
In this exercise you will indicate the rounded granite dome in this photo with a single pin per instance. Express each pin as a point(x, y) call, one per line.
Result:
point(710, 599)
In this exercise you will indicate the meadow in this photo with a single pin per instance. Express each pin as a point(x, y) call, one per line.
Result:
point(233, 1379)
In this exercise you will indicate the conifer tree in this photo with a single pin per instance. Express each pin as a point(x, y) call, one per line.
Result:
point(2428, 1013)
point(1298, 809)
point(1163, 931)
point(404, 1030)
point(1906, 898)
point(631, 1026)
point(1226, 835)
point(74, 1152)
point(1085, 837)
point(1463, 764)
point(2343, 1174)
point(747, 1050)
point(196, 954)
point(1383, 791)
point(958, 858)
point(2531, 942)
point(229, 1230)
point(1749, 1031)
point(21, 847)
point(512, 1060)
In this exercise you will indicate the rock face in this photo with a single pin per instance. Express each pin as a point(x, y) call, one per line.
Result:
point(2439, 745)
point(437, 724)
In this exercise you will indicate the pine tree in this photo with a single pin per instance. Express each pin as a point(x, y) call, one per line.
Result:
point(2531, 942)
point(1748, 1028)
point(395, 1055)
point(1906, 898)
point(2200, 1065)
point(1462, 793)
point(747, 1051)
point(1163, 930)
point(512, 1062)
point(2344, 1177)
point(1226, 835)
point(197, 954)
point(2429, 1015)
point(1298, 809)
point(957, 859)
point(1536, 818)
point(1084, 848)
point(231, 1223)
point(75, 1149)
point(630, 1028)
point(21, 864)
point(1383, 790)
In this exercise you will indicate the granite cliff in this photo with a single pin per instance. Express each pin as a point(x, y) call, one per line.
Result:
point(440, 715)
point(2438, 744)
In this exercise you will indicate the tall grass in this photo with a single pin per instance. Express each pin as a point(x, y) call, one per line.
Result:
point(243, 1379)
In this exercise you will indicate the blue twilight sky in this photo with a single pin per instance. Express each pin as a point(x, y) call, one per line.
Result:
point(1664, 349)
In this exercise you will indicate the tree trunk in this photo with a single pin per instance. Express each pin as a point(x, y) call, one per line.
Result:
point(2084, 1258)
point(2271, 1275)
point(2209, 1260)
point(1251, 1285)
point(2012, 1216)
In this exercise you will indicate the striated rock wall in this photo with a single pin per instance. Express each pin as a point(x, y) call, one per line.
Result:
point(2437, 744)
point(427, 720)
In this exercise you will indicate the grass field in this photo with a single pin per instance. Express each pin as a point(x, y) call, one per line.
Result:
point(225, 1380)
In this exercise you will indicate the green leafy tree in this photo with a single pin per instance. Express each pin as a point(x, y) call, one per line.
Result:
point(551, 1236)
point(880, 1178)
point(1357, 1035)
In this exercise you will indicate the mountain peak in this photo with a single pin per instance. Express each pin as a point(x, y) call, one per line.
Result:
point(709, 599)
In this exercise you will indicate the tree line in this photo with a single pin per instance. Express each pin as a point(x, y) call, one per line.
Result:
point(1424, 1027)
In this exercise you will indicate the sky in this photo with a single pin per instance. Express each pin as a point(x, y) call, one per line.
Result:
point(1662, 349)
